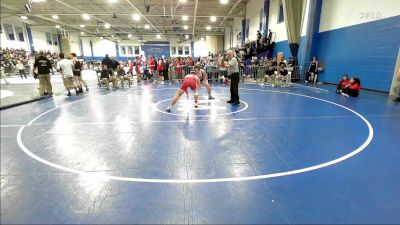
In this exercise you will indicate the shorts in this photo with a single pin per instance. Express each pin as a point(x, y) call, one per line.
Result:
point(205, 79)
point(188, 82)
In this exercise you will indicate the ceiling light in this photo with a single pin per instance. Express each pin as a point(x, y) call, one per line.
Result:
point(86, 16)
point(82, 26)
point(58, 26)
point(136, 17)
point(187, 36)
point(224, 1)
point(37, 0)
point(112, 1)
point(186, 27)
point(202, 39)
point(146, 26)
point(112, 35)
point(185, 18)
point(24, 17)
point(213, 18)
point(208, 27)
point(55, 17)
point(101, 38)
point(182, 1)
point(107, 25)
point(82, 33)
point(129, 35)
point(158, 36)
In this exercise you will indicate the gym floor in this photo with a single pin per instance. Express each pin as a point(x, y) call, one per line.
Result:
point(284, 155)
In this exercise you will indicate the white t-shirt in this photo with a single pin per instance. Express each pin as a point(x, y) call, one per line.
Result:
point(66, 68)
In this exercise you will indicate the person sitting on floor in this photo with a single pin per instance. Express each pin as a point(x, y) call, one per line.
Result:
point(352, 89)
point(122, 76)
point(342, 83)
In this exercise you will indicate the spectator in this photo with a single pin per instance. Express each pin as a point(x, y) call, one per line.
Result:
point(353, 88)
point(282, 62)
point(43, 65)
point(2, 73)
point(21, 69)
point(342, 83)
point(292, 62)
point(165, 69)
point(313, 70)
point(108, 63)
point(115, 63)
point(122, 76)
point(106, 77)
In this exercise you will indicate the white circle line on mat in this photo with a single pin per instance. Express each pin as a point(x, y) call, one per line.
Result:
point(102, 176)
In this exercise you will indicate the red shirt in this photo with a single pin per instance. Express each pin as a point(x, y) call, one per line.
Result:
point(355, 87)
point(343, 83)
point(159, 66)
point(178, 67)
point(151, 64)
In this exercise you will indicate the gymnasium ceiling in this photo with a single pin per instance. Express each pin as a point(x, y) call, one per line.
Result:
point(164, 17)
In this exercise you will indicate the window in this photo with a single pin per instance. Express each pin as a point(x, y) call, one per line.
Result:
point(48, 38)
point(173, 50)
point(187, 52)
point(137, 52)
point(180, 51)
point(123, 50)
point(55, 39)
point(20, 34)
point(281, 16)
point(130, 50)
point(10, 32)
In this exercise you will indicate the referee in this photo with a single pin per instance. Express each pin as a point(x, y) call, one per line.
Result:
point(233, 73)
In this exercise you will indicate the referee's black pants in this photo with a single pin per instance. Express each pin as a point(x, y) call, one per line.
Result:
point(234, 87)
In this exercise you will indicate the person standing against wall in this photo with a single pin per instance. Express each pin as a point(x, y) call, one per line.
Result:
point(43, 65)
point(233, 72)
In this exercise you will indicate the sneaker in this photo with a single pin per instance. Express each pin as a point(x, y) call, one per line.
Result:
point(69, 94)
point(210, 98)
point(87, 89)
point(196, 105)
point(230, 101)
point(168, 109)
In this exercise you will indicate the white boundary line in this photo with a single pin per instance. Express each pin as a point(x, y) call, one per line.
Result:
point(214, 180)
point(193, 115)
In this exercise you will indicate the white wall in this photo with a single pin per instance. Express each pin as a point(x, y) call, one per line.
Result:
point(200, 48)
point(342, 13)
point(253, 8)
point(14, 44)
point(129, 43)
point(237, 28)
point(39, 40)
point(101, 47)
point(227, 38)
point(175, 42)
point(86, 47)
point(278, 28)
